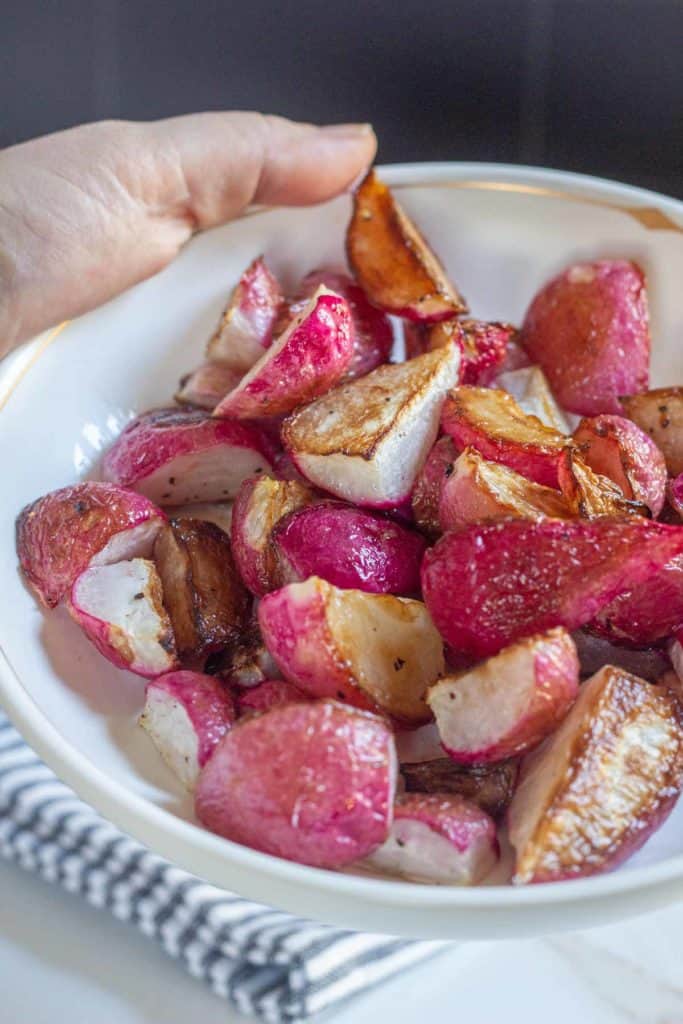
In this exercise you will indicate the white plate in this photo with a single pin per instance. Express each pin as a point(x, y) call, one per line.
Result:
point(502, 231)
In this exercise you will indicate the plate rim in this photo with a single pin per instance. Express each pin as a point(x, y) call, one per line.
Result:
point(159, 828)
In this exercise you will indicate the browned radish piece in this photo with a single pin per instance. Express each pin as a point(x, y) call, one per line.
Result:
point(203, 592)
point(91, 523)
point(373, 650)
point(647, 614)
point(313, 783)
point(508, 704)
point(246, 326)
point(439, 839)
point(247, 662)
point(488, 585)
point(607, 779)
point(596, 651)
point(371, 330)
point(349, 547)
point(660, 414)
point(207, 385)
point(429, 484)
point(488, 786)
point(478, 489)
point(179, 456)
point(491, 421)
point(590, 495)
point(366, 441)
point(391, 260)
point(675, 494)
point(529, 387)
point(271, 693)
point(185, 716)
point(589, 331)
point(311, 355)
point(120, 609)
point(618, 449)
point(260, 505)
point(217, 512)
point(483, 346)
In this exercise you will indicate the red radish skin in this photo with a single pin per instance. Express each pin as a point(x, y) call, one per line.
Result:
point(371, 650)
point(310, 356)
point(429, 485)
point(439, 839)
point(618, 449)
point(119, 608)
point(648, 614)
point(349, 548)
point(373, 337)
point(509, 704)
point(675, 494)
point(62, 533)
point(483, 345)
point(313, 783)
point(186, 714)
point(207, 385)
point(493, 423)
point(270, 694)
point(489, 585)
point(588, 329)
point(246, 326)
point(178, 456)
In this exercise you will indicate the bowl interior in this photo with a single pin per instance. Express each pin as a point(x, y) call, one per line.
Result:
point(501, 233)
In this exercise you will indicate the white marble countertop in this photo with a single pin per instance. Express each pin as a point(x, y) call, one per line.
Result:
point(61, 960)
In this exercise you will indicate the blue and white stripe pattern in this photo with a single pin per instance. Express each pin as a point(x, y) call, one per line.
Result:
point(267, 963)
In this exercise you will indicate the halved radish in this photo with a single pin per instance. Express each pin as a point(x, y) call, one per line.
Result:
point(177, 456)
point(310, 356)
point(246, 326)
point(440, 839)
point(508, 704)
point(618, 449)
point(366, 441)
point(120, 609)
point(591, 495)
point(186, 714)
point(90, 523)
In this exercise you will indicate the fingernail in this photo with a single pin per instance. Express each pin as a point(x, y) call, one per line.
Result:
point(347, 131)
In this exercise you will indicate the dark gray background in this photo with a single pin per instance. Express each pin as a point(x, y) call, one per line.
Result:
point(590, 85)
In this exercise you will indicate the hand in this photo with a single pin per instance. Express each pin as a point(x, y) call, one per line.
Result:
point(88, 212)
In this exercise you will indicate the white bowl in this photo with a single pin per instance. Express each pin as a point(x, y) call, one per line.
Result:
point(501, 231)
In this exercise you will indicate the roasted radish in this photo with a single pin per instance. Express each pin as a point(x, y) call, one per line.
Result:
point(348, 547)
point(478, 489)
point(440, 839)
point(589, 331)
point(660, 414)
point(491, 421)
point(618, 449)
point(598, 789)
point(246, 327)
point(206, 599)
point(366, 441)
point(207, 385)
point(647, 614)
point(246, 662)
point(488, 786)
point(429, 484)
point(120, 609)
point(313, 783)
point(217, 512)
point(261, 503)
point(185, 716)
point(590, 495)
point(529, 387)
point(483, 346)
point(488, 585)
point(391, 260)
point(178, 456)
point(508, 704)
point(373, 650)
point(91, 523)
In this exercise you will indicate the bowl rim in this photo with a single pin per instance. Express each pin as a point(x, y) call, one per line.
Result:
point(181, 840)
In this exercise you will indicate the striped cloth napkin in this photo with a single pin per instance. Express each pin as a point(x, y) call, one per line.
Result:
point(266, 963)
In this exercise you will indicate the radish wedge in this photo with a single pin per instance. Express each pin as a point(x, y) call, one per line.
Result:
point(178, 456)
point(618, 449)
point(185, 716)
point(598, 789)
point(660, 414)
point(507, 705)
point(313, 783)
point(119, 608)
point(391, 260)
point(246, 326)
point(366, 441)
point(373, 650)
